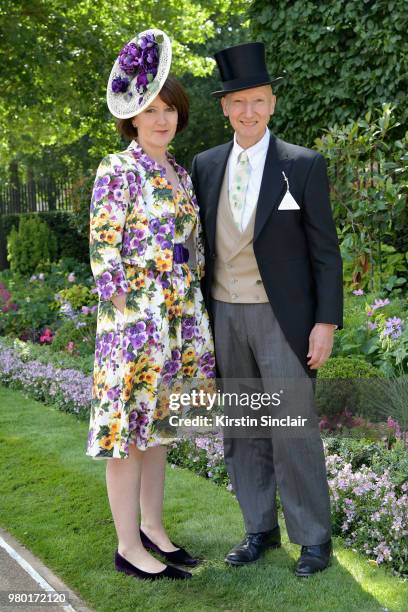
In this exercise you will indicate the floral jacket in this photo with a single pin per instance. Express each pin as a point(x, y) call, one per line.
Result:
point(133, 219)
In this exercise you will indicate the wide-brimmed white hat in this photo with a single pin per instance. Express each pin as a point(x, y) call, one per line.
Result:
point(138, 73)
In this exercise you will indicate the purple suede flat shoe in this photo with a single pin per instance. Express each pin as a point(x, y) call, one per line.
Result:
point(180, 556)
point(124, 566)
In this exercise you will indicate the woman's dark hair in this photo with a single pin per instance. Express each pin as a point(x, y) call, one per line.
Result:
point(173, 94)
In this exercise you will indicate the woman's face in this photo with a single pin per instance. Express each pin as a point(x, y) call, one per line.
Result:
point(156, 125)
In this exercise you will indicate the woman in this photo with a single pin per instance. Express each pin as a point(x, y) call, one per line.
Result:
point(146, 255)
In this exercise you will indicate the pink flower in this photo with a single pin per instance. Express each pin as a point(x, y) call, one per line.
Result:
point(46, 336)
point(358, 292)
point(380, 303)
point(70, 346)
point(71, 277)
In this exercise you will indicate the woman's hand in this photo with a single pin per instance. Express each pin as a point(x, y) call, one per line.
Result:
point(119, 301)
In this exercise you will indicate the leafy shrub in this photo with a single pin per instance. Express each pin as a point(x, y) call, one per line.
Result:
point(35, 303)
point(368, 180)
point(78, 296)
point(35, 308)
point(342, 385)
point(32, 244)
point(376, 328)
point(76, 336)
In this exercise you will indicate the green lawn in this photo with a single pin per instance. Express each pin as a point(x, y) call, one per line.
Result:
point(53, 499)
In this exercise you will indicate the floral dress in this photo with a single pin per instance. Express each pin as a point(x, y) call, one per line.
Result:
point(145, 241)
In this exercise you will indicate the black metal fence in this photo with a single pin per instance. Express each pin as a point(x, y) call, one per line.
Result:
point(36, 196)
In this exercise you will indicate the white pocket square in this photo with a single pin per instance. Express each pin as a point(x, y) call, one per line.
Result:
point(288, 202)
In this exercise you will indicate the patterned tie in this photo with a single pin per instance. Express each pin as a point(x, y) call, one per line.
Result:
point(239, 188)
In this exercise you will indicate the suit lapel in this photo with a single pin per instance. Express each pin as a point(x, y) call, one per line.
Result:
point(273, 185)
point(216, 171)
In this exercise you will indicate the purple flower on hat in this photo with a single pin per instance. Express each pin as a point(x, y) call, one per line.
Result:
point(130, 58)
point(120, 85)
point(142, 82)
point(139, 59)
point(147, 41)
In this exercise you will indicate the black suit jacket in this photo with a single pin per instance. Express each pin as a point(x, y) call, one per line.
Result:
point(297, 251)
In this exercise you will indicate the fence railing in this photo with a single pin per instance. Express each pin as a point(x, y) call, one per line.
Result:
point(36, 196)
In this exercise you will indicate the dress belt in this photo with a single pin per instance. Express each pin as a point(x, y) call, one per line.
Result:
point(180, 253)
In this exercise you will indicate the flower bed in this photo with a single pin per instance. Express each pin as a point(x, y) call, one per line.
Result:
point(67, 388)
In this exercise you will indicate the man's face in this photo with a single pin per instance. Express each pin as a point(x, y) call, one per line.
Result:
point(249, 112)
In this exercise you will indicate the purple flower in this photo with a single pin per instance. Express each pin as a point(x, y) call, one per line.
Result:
point(187, 328)
point(147, 41)
point(394, 321)
point(114, 393)
point(154, 225)
point(393, 327)
point(358, 292)
point(120, 85)
point(380, 303)
point(99, 193)
point(142, 60)
point(142, 82)
point(130, 58)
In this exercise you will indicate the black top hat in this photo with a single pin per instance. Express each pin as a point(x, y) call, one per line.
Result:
point(243, 67)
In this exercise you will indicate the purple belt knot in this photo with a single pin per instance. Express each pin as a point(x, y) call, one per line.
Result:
point(180, 253)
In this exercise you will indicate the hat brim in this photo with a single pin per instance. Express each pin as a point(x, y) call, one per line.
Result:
point(224, 92)
point(130, 103)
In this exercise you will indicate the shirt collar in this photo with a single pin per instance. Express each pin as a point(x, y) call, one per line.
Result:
point(256, 153)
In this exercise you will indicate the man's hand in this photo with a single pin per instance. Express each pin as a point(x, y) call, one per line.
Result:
point(119, 301)
point(320, 344)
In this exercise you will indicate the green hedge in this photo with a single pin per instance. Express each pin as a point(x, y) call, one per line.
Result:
point(340, 59)
point(345, 383)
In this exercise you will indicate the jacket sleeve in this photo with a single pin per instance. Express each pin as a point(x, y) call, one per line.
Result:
point(109, 203)
point(323, 245)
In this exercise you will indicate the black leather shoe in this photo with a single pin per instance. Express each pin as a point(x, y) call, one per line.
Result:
point(124, 566)
point(180, 556)
point(252, 547)
point(313, 559)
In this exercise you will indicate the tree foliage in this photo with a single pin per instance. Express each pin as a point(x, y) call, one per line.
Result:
point(57, 55)
point(341, 58)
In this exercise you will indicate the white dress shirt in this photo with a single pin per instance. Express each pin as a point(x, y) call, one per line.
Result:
point(256, 157)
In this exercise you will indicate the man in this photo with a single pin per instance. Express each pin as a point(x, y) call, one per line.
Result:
point(273, 288)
